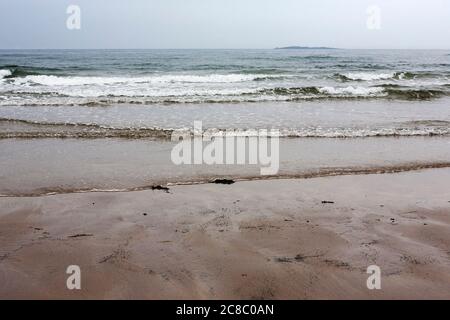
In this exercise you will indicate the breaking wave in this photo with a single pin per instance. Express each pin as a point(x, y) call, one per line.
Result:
point(54, 80)
point(71, 94)
point(5, 73)
point(370, 76)
point(27, 129)
point(73, 85)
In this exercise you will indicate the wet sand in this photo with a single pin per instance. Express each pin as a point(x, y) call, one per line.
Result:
point(41, 166)
point(279, 239)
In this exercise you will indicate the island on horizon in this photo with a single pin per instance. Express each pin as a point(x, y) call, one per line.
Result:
point(304, 48)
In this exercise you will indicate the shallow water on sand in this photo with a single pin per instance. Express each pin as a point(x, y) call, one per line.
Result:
point(43, 166)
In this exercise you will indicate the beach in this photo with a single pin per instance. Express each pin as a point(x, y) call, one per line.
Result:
point(277, 239)
point(359, 174)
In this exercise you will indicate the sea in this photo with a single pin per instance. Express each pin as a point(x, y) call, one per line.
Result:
point(108, 114)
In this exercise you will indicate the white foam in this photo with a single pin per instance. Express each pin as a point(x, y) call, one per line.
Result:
point(363, 132)
point(5, 73)
point(47, 80)
point(144, 93)
point(122, 91)
point(366, 76)
point(352, 91)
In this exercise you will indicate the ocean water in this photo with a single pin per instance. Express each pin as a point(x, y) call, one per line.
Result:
point(144, 93)
point(76, 121)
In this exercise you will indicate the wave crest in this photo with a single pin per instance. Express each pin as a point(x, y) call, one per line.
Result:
point(5, 73)
point(369, 76)
point(27, 129)
point(53, 80)
point(118, 96)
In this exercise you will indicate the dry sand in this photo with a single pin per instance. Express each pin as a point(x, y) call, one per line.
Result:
point(250, 240)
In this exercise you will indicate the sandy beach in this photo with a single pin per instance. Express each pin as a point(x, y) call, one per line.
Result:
point(278, 239)
point(216, 152)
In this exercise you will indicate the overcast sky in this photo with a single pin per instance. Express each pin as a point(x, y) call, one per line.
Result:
point(408, 24)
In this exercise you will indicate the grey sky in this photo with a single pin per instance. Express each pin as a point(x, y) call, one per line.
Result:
point(224, 24)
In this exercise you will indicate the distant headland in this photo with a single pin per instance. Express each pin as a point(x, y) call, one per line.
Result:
point(305, 48)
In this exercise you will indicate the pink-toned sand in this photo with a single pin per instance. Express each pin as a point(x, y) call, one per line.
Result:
point(250, 240)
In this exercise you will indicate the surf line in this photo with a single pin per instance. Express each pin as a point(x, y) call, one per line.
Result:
point(232, 147)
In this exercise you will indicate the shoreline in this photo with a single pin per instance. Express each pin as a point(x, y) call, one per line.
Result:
point(48, 166)
point(273, 239)
point(330, 172)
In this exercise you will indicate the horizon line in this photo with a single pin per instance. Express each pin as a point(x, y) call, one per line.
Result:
point(274, 48)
